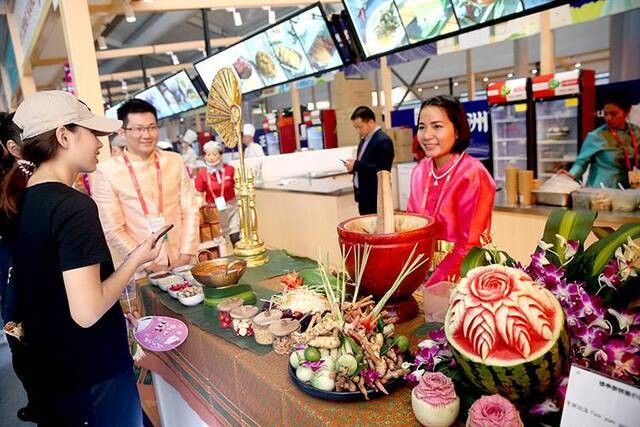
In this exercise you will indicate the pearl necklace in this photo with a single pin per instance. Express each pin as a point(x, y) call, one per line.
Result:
point(446, 173)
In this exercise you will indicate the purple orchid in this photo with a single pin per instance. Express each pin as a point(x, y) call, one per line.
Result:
point(565, 292)
point(589, 307)
point(592, 340)
point(621, 356)
point(299, 347)
point(572, 248)
point(549, 406)
point(632, 337)
point(315, 366)
point(370, 376)
point(415, 376)
point(626, 319)
point(609, 276)
point(438, 336)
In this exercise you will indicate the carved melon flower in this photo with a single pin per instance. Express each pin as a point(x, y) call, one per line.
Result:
point(500, 303)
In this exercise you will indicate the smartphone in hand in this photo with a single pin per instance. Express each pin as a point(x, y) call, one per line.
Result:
point(164, 230)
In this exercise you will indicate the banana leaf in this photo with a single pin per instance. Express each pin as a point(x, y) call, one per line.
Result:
point(589, 264)
point(572, 225)
point(602, 232)
point(477, 257)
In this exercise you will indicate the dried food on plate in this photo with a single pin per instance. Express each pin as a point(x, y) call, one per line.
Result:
point(243, 68)
point(265, 65)
point(289, 57)
point(321, 51)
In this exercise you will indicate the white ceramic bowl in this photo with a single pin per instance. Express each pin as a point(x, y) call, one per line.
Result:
point(432, 416)
point(174, 294)
point(154, 277)
point(184, 272)
point(164, 283)
point(191, 301)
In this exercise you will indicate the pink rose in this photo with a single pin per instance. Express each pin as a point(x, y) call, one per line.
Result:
point(436, 389)
point(491, 284)
point(493, 411)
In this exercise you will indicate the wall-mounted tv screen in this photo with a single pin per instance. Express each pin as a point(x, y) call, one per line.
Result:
point(295, 47)
point(180, 93)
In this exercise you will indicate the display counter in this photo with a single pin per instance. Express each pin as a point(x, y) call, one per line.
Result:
point(301, 214)
point(516, 228)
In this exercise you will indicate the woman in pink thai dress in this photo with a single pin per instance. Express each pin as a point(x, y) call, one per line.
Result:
point(450, 186)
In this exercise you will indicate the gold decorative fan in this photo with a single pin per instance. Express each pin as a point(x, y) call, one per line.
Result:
point(224, 113)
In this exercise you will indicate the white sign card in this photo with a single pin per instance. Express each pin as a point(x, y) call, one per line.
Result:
point(596, 400)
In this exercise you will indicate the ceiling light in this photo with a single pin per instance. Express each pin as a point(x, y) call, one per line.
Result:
point(102, 43)
point(509, 75)
point(272, 16)
point(174, 59)
point(534, 71)
point(124, 85)
point(419, 89)
point(485, 79)
point(152, 80)
point(436, 87)
point(129, 14)
point(577, 65)
point(455, 83)
point(203, 51)
point(237, 19)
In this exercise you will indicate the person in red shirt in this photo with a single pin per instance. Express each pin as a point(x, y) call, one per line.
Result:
point(217, 182)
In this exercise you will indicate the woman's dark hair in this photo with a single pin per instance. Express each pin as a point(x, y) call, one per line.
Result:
point(36, 150)
point(363, 113)
point(621, 99)
point(457, 116)
point(134, 106)
point(9, 131)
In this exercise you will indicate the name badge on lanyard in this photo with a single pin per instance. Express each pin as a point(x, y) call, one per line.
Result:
point(154, 222)
point(221, 203)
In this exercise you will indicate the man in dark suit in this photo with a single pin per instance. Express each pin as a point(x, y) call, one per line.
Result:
point(375, 153)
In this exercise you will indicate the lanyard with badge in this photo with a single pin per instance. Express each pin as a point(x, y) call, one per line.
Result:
point(626, 153)
point(154, 222)
point(221, 204)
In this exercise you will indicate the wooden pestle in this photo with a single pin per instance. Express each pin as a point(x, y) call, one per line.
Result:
point(385, 218)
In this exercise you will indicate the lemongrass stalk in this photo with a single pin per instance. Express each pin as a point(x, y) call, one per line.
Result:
point(409, 267)
point(362, 265)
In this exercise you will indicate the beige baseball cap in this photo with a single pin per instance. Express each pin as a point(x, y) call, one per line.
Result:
point(48, 110)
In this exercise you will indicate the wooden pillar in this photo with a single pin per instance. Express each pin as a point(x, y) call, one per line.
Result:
point(521, 57)
point(25, 76)
point(547, 54)
point(198, 121)
point(78, 37)
point(471, 77)
point(385, 76)
point(6, 91)
point(295, 105)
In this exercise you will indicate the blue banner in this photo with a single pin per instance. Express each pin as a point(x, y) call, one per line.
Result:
point(478, 117)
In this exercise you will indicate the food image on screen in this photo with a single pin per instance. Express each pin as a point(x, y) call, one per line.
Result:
point(321, 51)
point(265, 65)
point(288, 50)
point(153, 97)
point(378, 25)
point(316, 40)
point(474, 12)
point(243, 68)
point(180, 93)
point(289, 57)
point(528, 4)
point(424, 19)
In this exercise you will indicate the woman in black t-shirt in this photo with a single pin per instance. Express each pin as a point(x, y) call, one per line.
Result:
point(67, 289)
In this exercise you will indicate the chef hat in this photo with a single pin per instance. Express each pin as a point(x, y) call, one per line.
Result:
point(189, 136)
point(248, 130)
point(165, 145)
point(213, 146)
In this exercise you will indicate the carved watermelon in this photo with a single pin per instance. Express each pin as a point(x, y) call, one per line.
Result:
point(506, 332)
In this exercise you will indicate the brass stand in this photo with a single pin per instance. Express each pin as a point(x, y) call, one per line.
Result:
point(224, 115)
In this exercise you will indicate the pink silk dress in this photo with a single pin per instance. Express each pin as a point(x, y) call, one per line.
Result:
point(461, 204)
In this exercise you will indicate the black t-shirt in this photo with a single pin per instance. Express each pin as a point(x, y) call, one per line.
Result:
point(58, 229)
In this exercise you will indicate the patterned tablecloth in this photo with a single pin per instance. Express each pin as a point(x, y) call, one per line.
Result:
point(227, 385)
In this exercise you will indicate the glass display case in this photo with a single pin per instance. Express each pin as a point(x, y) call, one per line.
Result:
point(556, 135)
point(509, 129)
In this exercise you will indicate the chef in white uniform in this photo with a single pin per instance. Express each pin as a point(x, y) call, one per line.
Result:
point(253, 148)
